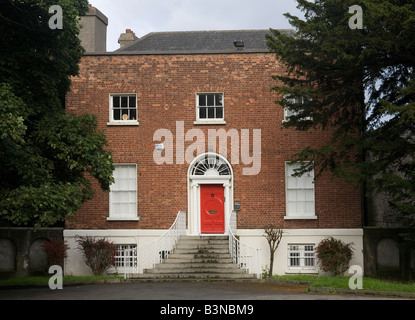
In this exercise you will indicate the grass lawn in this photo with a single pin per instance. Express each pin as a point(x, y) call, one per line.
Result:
point(45, 280)
point(343, 283)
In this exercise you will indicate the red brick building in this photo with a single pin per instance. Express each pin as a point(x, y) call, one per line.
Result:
point(188, 112)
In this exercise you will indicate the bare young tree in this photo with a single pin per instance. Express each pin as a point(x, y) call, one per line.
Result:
point(273, 234)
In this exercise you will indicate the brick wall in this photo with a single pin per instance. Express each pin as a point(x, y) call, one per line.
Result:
point(166, 86)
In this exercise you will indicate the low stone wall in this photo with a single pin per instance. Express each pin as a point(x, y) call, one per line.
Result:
point(22, 252)
point(383, 255)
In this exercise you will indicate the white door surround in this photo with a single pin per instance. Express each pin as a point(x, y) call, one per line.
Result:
point(207, 168)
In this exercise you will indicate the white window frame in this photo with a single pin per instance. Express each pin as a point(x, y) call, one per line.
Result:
point(117, 216)
point(116, 122)
point(125, 259)
point(306, 188)
point(306, 260)
point(204, 121)
point(288, 113)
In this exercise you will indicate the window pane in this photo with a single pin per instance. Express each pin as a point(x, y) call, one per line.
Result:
point(300, 195)
point(202, 100)
point(309, 195)
point(116, 102)
point(124, 209)
point(219, 113)
point(301, 182)
point(291, 182)
point(294, 262)
point(132, 185)
point(125, 178)
point(132, 209)
point(289, 113)
point(309, 207)
point(291, 195)
point(124, 113)
point(132, 197)
point(123, 197)
point(291, 168)
point(211, 113)
point(210, 100)
point(291, 208)
point(300, 207)
point(202, 113)
point(308, 180)
point(218, 99)
point(133, 114)
point(131, 102)
point(115, 208)
point(124, 102)
point(117, 114)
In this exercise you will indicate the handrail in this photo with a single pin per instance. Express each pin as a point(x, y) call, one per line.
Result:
point(148, 254)
point(245, 256)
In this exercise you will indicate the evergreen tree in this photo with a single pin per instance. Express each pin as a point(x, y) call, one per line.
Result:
point(358, 83)
point(46, 155)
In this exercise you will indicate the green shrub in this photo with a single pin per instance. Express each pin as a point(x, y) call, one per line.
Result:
point(99, 254)
point(334, 255)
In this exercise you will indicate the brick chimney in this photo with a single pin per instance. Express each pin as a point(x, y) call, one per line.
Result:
point(127, 38)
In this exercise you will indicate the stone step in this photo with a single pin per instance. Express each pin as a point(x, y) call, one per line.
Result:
point(203, 242)
point(194, 276)
point(197, 258)
point(191, 250)
point(204, 238)
point(210, 260)
point(206, 255)
point(201, 269)
point(204, 246)
point(190, 265)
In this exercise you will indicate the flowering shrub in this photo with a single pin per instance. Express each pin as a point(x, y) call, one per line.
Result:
point(334, 255)
point(56, 251)
point(99, 254)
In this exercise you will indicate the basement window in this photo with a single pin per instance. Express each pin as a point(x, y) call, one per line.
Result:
point(126, 256)
point(301, 257)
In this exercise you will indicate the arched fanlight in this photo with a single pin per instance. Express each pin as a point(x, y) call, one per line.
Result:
point(211, 165)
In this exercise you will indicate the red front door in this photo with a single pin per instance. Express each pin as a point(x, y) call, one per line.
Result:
point(212, 211)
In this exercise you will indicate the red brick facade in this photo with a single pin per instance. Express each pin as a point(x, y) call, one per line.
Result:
point(166, 87)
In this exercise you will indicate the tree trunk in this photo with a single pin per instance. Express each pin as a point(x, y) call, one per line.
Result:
point(271, 262)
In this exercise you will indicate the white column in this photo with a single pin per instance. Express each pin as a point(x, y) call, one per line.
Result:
point(227, 206)
point(195, 211)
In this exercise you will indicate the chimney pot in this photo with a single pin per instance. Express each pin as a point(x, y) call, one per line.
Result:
point(127, 38)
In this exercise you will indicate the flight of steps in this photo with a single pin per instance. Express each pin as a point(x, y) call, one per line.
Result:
point(198, 258)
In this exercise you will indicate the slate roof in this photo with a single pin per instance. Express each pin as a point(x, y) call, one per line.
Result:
point(199, 42)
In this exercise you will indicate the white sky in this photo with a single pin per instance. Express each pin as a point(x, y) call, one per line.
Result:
point(145, 16)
